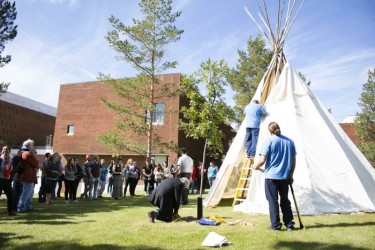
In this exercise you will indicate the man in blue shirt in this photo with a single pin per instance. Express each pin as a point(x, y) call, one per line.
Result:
point(279, 154)
point(253, 113)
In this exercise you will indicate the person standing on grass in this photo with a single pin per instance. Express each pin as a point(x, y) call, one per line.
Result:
point(78, 177)
point(94, 173)
point(53, 171)
point(211, 173)
point(15, 177)
point(279, 154)
point(102, 178)
point(117, 180)
point(200, 168)
point(6, 168)
point(133, 177)
point(60, 180)
point(167, 171)
point(69, 181)
point(167, 198)
point(148, 177)
point(110, 177)
point(159, 173)
point(184, 169)
point(194, 174)
point(86, 176)
point(30, 166)
point(253, 113)
point(43, 180)
point(128, 165)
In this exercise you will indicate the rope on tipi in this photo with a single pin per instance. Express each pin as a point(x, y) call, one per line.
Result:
point(276, 38)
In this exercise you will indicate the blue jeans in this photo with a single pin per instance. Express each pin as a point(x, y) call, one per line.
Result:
point(211, 181)
point(17, 191)
point(191, 186)
point(274, 189)
point(86, 181)
point(101, 188)
point(251, 140)
point(25, 202)
point(93, 188)
point(110, 184)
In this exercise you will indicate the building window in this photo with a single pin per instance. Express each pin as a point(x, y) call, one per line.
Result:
point(158, 118)
point(70, 130)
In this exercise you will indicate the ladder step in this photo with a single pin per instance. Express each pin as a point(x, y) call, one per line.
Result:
point(243, 183)
point(238, 199)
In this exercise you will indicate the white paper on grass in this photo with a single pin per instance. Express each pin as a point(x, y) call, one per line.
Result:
point(215, 240)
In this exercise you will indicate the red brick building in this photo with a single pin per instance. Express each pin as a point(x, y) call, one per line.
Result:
point(22, 118)
point(349, 129)
point(81, 117)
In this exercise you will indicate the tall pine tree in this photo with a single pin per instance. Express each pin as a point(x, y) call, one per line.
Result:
point(8, 31)
point(365, 122)
point(141, 44)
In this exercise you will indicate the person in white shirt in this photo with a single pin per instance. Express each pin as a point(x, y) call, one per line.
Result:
point(184, 169)
point(184, 165)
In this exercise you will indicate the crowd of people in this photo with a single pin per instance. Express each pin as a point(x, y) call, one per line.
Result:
point(18, 176)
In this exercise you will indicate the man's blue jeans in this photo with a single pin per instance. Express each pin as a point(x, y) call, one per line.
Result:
point(25, 202)
point(251, 140)
point(274, 189)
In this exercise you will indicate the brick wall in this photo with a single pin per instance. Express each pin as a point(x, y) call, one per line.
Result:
point(17, 124)
point(349, 129)
point(80, 105)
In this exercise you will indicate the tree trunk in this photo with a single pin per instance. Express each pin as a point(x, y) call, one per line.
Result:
point(199, 200)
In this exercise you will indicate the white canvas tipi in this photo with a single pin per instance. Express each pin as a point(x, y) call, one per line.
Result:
point(331, 175)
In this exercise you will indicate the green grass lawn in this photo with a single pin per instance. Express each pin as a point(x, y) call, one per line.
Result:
point(123, 224)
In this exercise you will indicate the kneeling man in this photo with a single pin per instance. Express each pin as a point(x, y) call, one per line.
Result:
point(167, 198)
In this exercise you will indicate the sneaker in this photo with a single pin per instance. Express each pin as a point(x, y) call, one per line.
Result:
point(67, 201)
point(271, 228)
point(75, 201)
point(151, 216)
point(291, 228)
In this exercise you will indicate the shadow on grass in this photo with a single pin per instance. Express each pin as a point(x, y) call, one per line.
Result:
point(356, 224)
point(60, 213)
point(6, 237)
point(313, 245)
point(9, 241)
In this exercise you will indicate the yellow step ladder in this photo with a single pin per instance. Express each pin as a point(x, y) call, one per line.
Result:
point(243, 183)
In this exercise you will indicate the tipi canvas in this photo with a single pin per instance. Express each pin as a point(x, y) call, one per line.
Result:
point(331, 175)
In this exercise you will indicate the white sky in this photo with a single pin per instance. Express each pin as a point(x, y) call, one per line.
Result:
point(62, 41)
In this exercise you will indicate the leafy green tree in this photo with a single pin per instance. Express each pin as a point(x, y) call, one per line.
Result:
point(365, 122)
point(245, 77)
point(8, 31)
point(141, 44)
point(205, 113)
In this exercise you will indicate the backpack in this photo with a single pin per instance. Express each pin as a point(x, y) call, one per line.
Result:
point(17, 165)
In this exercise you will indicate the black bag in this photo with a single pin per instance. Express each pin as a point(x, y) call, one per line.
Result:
point(17, 165)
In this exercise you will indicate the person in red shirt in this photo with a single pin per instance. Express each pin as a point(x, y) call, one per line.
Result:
point(193, 178)
point(30, 166)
